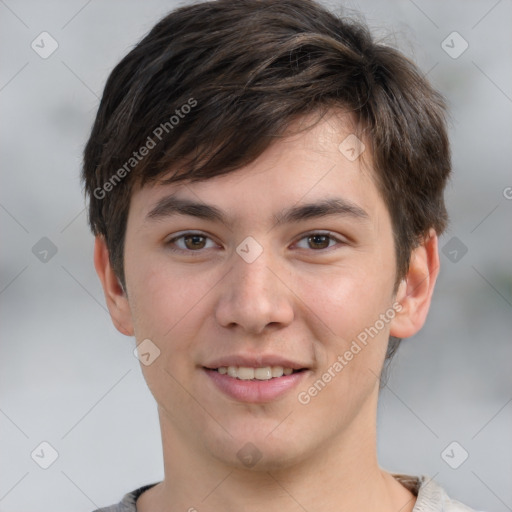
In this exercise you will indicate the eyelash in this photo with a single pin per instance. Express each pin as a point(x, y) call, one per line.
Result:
point(170, 242)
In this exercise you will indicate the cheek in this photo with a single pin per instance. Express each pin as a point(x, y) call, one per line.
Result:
point(348, 300)
point(350, 304)
point(165, 307)
point(160, 297)
point(169, 307)
point(351, 344)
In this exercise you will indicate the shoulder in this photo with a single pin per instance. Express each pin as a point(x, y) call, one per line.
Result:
point(433, 498)
point(128, 503)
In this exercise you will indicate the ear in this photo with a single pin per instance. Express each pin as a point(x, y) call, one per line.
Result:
point(115, 296)
point(415, 291)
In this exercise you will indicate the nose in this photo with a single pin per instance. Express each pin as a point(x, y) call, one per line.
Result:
point(254, 296)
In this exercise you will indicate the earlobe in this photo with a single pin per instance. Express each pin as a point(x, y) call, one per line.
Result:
point(115, 296)
point(415, 291)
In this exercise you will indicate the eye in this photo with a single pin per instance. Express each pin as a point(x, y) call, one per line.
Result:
point(319, 240)
point(189, 242)
point(196, 242)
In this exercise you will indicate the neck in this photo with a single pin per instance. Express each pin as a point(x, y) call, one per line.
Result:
point(343, 474)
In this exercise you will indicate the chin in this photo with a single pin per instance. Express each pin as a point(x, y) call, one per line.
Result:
point(259, 452)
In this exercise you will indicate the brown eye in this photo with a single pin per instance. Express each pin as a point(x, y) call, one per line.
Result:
point(319, 241)
point(190, 243)
point(194, 241)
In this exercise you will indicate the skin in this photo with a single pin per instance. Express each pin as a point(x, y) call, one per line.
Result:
point(306, 301)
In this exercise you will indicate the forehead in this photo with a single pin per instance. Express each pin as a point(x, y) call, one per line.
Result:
point(310, 163)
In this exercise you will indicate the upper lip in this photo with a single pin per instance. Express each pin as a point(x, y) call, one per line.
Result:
point(255, 362)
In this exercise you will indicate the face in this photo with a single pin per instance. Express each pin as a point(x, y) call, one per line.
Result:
point(286, 264)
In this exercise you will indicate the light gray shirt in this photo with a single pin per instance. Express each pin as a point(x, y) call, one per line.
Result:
point(430, 497)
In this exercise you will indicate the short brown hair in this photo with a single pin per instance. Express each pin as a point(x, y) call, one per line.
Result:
point(245, 69)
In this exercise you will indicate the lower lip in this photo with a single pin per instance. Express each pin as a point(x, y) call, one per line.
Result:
point(255, 391)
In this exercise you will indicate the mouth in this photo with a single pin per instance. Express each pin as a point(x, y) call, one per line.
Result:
point(258, 373)
point(261, 384)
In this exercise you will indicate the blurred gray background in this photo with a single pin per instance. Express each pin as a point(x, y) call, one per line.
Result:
point(68, 378)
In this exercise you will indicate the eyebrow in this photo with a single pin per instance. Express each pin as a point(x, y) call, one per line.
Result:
point(170, 206)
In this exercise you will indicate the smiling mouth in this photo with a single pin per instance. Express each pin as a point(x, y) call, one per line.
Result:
point(260, 373)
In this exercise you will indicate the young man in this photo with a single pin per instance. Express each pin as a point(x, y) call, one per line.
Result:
point(266, 190)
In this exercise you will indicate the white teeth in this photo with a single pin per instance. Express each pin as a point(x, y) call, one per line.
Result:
point(247, 373)
point(263, 373)
point(277, 371)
